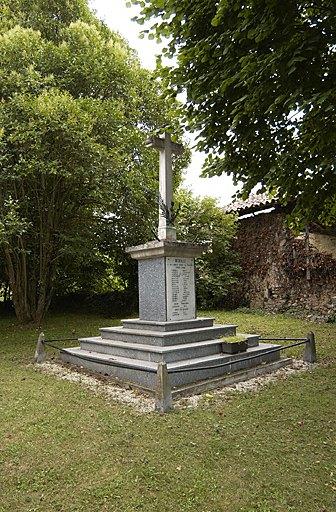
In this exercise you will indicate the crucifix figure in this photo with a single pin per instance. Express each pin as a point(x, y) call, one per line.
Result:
point(166, 231)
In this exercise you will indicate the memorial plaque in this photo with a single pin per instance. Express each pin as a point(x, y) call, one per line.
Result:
point(180, 286)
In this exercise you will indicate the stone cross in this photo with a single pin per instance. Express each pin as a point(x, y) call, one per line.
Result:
point(166, 147)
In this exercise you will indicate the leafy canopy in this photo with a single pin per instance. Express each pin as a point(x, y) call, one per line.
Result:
point(260, 90)
point(75, 111)
point(201, 220)
point(49, 17)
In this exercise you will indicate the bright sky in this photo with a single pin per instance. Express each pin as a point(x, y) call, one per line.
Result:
point(119, 18)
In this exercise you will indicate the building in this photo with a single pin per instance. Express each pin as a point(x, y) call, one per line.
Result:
point(283, 272)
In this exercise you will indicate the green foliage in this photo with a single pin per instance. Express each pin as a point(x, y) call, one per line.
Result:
point(47, 16)
point(233, 339)
point(11, 223)
point(260, 90)
point(202, 221)
point(75, 111)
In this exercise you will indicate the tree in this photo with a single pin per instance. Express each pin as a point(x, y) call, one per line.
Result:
point(202, 220)
point(49, 17)
point(260, 90)
point(75, 111)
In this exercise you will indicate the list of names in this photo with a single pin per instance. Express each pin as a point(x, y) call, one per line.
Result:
point(180, 283)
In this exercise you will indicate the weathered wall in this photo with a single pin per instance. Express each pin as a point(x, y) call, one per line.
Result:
point(324, 243)
point(274, 269)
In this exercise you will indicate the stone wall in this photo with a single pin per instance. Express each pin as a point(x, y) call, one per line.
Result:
point(279, 273)
point(324, 243)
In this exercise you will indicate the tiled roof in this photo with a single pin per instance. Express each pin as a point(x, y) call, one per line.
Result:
point(254, 203)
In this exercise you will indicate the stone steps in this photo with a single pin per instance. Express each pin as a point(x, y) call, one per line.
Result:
point(151, 352)
point(156, 353)
point(181, 379)
point(141, 372)
point(162, 338)
point(230, 379)
point(137, 372)
point(195, 323)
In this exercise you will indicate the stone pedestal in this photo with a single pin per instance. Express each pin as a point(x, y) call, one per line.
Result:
point(166, 280)
point(167, 330)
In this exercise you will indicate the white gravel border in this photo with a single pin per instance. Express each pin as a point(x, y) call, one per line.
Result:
point(145, 404)
point(124, 395)
point(254, 384)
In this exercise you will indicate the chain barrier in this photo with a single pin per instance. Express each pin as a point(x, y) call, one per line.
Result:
point(283, 339)
point(233, 361)
point(163, 393)
point(47, 342)
point(110, 362)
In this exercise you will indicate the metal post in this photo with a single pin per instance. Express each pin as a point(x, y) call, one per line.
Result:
point(309, 354)
point(40, 353)
point(163, 399)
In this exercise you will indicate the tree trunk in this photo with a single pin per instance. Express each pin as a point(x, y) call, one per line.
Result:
point(31, 291)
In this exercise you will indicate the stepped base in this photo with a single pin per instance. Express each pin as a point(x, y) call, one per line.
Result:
point(136, 349)
point(166, 338)
point(132, 352)
point(229, 380)
point(143, 373)
point(195, 323)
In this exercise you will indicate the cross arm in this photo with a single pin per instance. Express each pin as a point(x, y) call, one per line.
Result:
point(160, 144)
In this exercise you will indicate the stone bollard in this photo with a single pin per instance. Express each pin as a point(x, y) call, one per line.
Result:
point(309, 354)
point(163, 399)
point(40, 353)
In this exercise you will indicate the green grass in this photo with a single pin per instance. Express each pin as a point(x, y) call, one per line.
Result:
point(62, 448)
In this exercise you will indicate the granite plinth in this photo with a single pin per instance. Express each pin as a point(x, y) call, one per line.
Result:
point(166, 276)
point(167, 330)
point(166, 248)
point(132, 352)
point(147, 325)
point(169, 338)
point(142, 373)
point(237, 360)
point(167, 289)
point(152, 353)
point(127, 371)
point(152, 289)
point(230, 379)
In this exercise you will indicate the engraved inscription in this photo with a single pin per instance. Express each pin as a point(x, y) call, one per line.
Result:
point(180, 289)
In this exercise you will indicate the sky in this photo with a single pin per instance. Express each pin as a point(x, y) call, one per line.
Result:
point(119, 18)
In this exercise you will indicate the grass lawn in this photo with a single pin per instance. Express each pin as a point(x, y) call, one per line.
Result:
point(62, 448)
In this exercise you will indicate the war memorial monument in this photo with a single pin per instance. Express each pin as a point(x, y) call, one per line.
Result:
point(168, 335)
